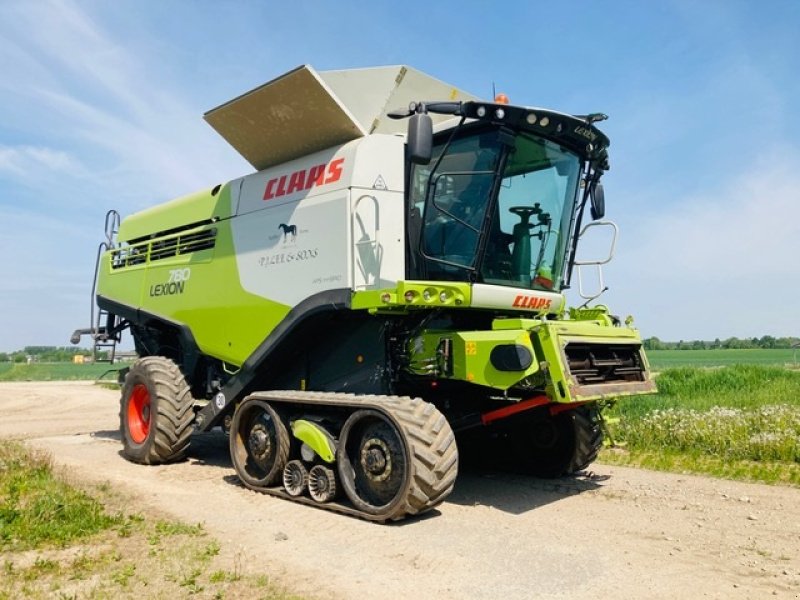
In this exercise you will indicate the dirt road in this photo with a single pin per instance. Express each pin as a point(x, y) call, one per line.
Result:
point(617, 532)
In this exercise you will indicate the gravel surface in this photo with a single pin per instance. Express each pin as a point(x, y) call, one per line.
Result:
point(614, 531)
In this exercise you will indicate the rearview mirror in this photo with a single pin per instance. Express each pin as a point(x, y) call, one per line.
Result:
point(420, 139)
point(598, 201)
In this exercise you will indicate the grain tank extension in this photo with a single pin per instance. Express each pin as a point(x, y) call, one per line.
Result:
point(384, 291)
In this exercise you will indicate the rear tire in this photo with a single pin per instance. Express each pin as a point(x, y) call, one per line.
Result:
point(156, 413)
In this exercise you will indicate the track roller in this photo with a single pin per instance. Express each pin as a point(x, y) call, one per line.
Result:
point(295, 478)
point(321, 484)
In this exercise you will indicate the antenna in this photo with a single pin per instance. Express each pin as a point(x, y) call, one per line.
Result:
point(494, 91)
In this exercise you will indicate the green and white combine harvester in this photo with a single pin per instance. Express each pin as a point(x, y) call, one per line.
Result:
point(384, 284)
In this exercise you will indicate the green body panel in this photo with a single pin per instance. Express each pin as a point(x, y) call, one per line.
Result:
point(471, 351)
point(414, 294)
point(319, 440)
point(189, 288)
point(546, 340)
point(180, 212)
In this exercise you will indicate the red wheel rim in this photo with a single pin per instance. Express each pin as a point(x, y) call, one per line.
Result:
point(139, 413)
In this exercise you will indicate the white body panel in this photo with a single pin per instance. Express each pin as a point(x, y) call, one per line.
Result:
point(328, 221)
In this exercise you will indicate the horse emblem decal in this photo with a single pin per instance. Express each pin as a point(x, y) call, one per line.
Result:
point(287, 231)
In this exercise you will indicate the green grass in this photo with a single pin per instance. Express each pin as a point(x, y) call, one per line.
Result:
point(52, 371)
point(738, 386)
point(37, 508)
point(665, 359)
point(62, 541)
point(741, 421)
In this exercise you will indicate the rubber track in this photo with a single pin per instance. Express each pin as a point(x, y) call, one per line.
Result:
point(588, 439)
point(175, 417)
point(427, 434)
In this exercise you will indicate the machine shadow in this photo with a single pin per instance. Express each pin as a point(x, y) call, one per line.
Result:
point(210, 449)
point(107, 434)
point(517, 493)
point(477, 483)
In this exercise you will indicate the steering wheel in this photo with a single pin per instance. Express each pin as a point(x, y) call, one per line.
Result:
point(525, 212)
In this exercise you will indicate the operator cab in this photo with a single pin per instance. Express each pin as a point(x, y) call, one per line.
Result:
point(500, 200)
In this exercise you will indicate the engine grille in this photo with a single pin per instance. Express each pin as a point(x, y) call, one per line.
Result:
point(160, 249)
point(605, 363)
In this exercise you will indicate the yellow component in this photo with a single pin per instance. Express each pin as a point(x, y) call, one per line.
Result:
point(472, 351)
point(319, 440)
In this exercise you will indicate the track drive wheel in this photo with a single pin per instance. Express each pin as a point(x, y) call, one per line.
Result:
point(259, 444)
point(155, 413)
point(556, 445)
point(373, 462)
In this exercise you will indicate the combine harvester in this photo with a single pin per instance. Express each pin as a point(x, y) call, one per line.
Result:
point(384, 283)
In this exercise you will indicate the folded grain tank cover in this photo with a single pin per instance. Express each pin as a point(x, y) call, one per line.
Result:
point(303, 111)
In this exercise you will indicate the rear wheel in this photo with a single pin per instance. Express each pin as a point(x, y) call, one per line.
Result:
point(155, 412)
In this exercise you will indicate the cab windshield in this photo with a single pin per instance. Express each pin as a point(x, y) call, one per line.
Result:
point(494, 213)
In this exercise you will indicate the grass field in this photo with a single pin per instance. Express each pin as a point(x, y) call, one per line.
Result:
point(664, 359)
point(659, 360)
point(54, 372)
point(741, 421)
point(59, 539)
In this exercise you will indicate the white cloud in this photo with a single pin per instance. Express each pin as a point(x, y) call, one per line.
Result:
point(30, 161)
point(144, 139)
point(748, 227)
point(722, 262)
point(92, 124)
point(46, 273)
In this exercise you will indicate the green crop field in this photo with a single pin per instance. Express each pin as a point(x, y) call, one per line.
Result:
point(664, 359)
point(54, 371)
point(740, 421)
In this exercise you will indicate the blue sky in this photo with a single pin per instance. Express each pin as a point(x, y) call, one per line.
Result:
point(101, 107)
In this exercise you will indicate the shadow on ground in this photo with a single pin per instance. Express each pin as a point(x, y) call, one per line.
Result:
point(517, 493)
point(108, 434)
point(477, 484)
point(210, 448)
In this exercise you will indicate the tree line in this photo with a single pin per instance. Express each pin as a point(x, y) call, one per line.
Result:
point(47, 354)
point(66, 353)
point(766, 342)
